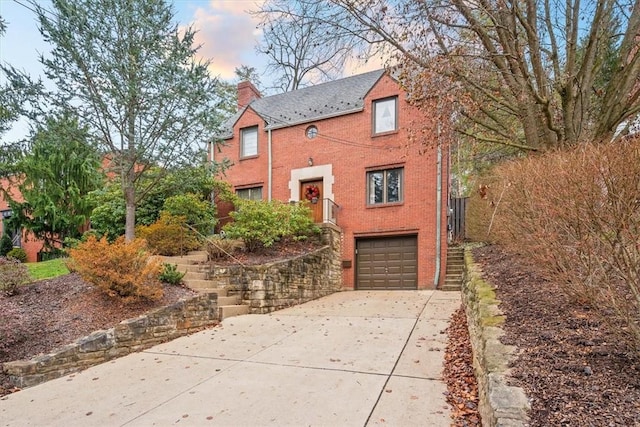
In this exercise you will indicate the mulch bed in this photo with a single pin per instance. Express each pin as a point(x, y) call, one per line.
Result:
point(570, 364)
point(48, 314)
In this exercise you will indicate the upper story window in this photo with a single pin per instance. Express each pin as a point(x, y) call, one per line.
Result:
point(385, 186)
point(385, 115)
point(249, 142)
point(253, 193)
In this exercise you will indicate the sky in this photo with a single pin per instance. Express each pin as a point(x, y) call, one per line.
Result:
point(226, 31)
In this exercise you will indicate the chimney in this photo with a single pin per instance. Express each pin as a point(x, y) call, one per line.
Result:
point(247, 92)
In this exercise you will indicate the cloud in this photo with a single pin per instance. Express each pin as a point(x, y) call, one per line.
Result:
point(228, 35)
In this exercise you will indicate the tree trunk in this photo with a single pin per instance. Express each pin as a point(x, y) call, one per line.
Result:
point(130, 205)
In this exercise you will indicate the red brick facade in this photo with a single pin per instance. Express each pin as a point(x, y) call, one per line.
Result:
point(28, 242)
point(342, 153)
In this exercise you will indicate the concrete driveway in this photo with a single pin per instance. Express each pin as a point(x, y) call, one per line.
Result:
point(349, 359)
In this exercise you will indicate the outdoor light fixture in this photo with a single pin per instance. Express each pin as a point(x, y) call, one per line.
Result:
point(310, 161)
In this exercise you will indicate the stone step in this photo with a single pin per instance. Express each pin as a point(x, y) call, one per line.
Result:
point(450, 288)
point(226, 311)
point(220, 291)
point(229, 300)
point(198, 253)
point(192, 275)
point(195, 268)
point(196, 284)
point(186, 259)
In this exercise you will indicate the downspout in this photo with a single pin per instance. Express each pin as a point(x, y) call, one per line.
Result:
point(212, 159)
point(436, 278)
point(269, 170)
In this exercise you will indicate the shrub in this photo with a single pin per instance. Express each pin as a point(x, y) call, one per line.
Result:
point(17, 253)
point(576, 215)
point(218, 247)
point(121, 269)
point(12, 274)
point(108, 217)
point(198, 214)
point(261, 224)
point(5, 244)
point(169, 236)
point(170, 274)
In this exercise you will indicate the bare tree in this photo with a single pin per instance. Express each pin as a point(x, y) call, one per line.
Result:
point(526, 73)
point(302, 44)
point(131, 75)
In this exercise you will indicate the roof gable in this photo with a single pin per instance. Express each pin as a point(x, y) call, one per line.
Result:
point(336, 98)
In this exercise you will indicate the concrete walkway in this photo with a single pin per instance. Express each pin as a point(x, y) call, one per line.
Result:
point(349, 359)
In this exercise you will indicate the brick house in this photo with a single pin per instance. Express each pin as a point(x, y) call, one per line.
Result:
point(344, 145)
point(20, 238)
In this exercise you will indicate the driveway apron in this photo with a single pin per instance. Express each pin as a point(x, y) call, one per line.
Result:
point(355, 358)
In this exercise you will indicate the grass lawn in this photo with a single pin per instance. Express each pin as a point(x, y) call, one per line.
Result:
point(47, 269)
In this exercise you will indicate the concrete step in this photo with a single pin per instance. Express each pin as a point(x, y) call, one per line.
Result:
point(226, 311)
point(450, 288)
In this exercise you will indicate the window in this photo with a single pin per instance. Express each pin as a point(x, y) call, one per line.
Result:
point(253, 193)
point(385, 115)
point(384, 186)
point(311, 132)
point(249, 142)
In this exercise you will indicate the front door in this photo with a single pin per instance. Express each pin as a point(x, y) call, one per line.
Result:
point(311, 191)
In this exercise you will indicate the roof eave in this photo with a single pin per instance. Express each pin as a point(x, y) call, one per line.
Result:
point(314, 119)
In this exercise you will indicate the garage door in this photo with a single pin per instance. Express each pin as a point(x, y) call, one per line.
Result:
point(387, 263)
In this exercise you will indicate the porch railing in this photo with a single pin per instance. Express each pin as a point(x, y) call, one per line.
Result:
point(330, 211)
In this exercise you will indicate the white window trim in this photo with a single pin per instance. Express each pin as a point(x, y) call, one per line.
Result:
point(375, 121)
point(244, 131)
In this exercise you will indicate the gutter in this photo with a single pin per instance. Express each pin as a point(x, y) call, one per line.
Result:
point(436, 278)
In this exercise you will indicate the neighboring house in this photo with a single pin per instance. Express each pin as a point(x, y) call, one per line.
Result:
point(21, 239)
point(345, 145)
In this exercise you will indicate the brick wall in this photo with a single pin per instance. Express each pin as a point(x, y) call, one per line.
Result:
point(346, 147)
point(28, 242)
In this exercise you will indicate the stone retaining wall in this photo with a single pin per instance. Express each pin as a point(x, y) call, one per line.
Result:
point(500, 404)
point(163, 324)
point(270, 287)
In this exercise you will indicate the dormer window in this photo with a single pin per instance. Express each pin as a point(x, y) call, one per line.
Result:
point(385, 115)
point(249, 142)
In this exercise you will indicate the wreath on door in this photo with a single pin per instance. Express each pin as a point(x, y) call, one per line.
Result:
point(312, 193)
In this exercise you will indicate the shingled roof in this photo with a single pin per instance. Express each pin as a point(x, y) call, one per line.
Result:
point(336, 98)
